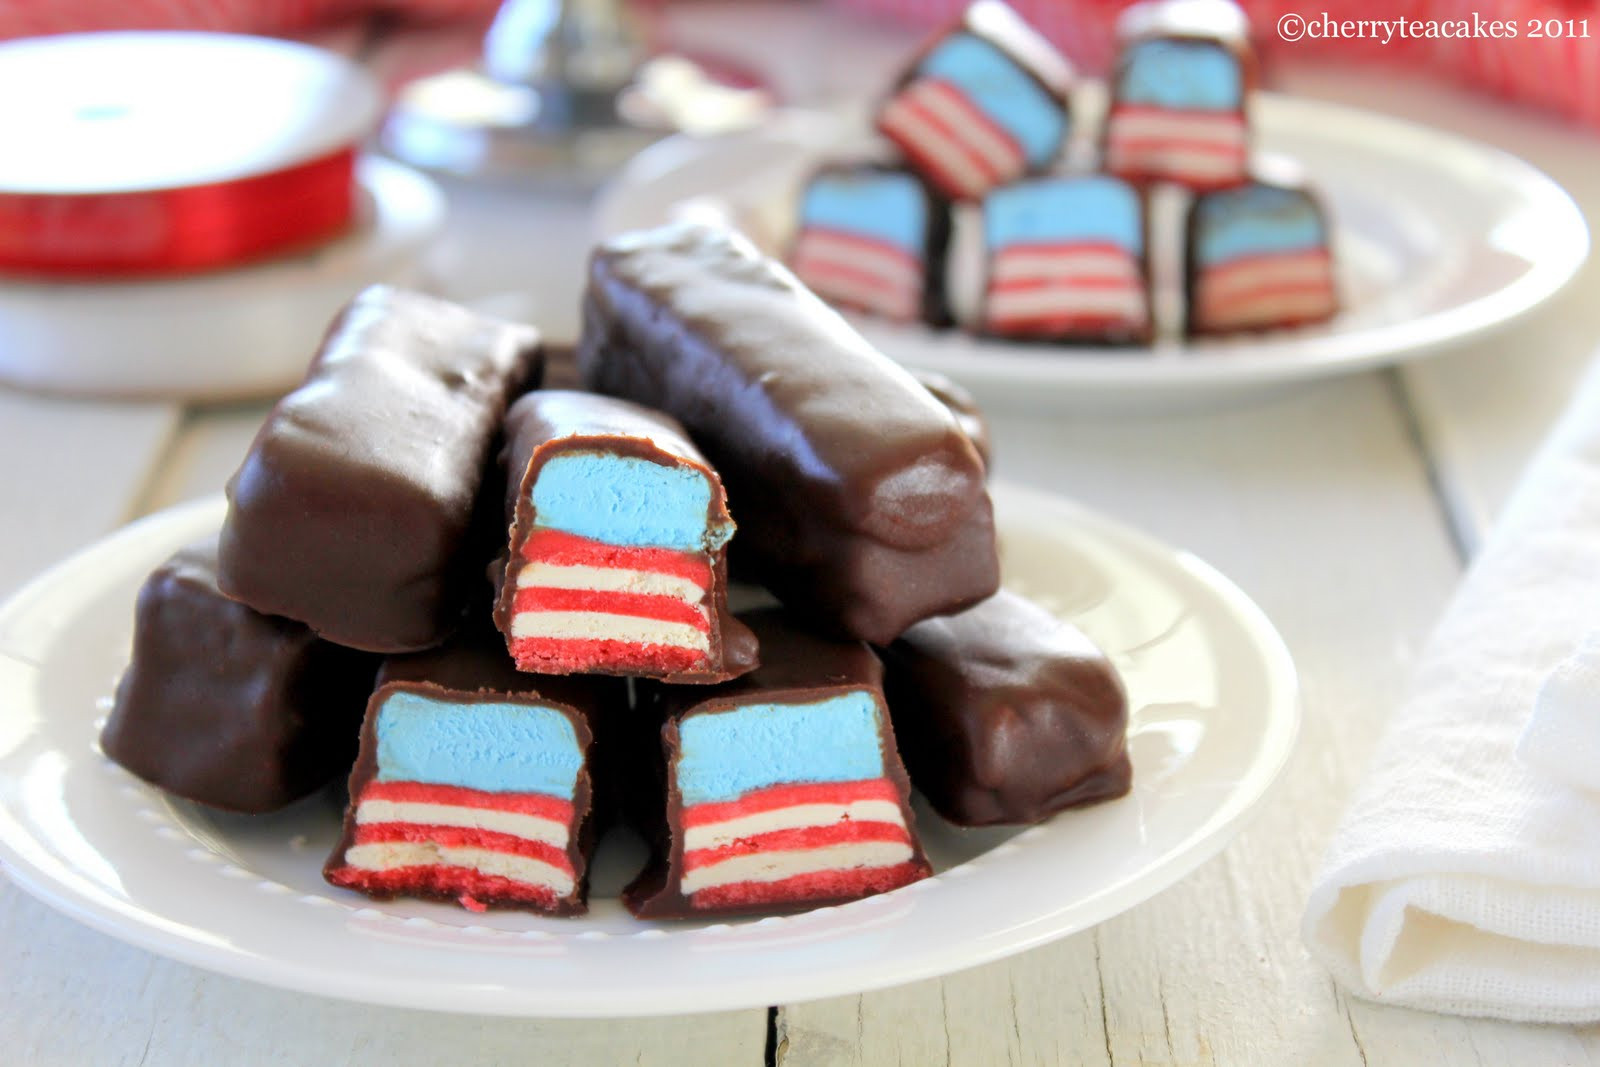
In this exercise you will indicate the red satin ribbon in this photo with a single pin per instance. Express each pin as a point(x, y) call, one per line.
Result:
point(178, 231)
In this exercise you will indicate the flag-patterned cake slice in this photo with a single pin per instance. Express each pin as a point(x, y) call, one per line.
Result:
point(1066, 261)
point(616, 562)
point(783, 788)
point(1179, 95)
point(472, 785)
point(873, 239)
point(984, 105)
point(1258, 258)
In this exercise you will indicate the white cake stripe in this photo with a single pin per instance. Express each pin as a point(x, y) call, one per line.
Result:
point(798, 816)
point(603, 626)
point(1032, 303)
point(537, 573)
point(391, 855)
point(1026, 265)
point(902, 119)
point(518, 824)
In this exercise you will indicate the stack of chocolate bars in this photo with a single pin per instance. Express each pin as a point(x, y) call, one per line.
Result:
point(983, 115)
point(506, 606)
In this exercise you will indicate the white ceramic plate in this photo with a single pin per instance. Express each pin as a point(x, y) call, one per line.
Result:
point(1214, 718)
point(1438, 238)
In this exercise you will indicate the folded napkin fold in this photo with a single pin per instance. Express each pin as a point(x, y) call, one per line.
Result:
point(1463, 878)
point(1563, 736)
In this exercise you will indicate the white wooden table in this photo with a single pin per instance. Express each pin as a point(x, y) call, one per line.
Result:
point(1345, 508)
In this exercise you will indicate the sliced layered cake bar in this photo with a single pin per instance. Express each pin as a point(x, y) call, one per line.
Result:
point(1180, 94)
point(474, 782)
point(1258, 258)
point(872, 238)
point(616, 562)
point(782, 788)
point(1066, 261)
point(986, 104)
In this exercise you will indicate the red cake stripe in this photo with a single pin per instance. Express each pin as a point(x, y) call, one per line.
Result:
point(382, 833)
point(1264, 291)
point(1223, 116)
point(788, 796)
point(860, 288)
point(1310, 257)
point(818, 885)
point(570, 550)
point(1142, 146)
point(565, 655)
point(1012, 159)
point(1055, 324)
point(845, 831)
point(548, 807)
point(830, 235)
point(470, 887)
point(1064, 282)
point(927, 103)
point(612, 602)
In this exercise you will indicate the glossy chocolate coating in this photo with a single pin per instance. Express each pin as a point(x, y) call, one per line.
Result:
point(797, 666)
point(561, 367)
point(473, 668)
point(226, 707)
point(861, 503)
point(546, 423)
point(1006, 714)
point(353, 510)
point(964, 406)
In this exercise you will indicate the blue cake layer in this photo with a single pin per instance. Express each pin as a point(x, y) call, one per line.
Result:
point(724, 755)
point(495, 747)
point(1256, 220)
point(1064, 210)
point(1182, 75)
point(624, 500)
point(1003, 91)
point(887, 207)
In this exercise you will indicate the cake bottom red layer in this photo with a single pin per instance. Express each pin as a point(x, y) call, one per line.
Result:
point(573, 655)
point(818, 885)
point(472, 889)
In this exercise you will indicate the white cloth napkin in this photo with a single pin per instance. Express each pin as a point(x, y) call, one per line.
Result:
point(1563, 737)
point(1463, 878)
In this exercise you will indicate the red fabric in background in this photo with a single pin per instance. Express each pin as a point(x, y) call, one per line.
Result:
point(1562, 74)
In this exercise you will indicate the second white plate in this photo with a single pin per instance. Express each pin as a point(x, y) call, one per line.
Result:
point(1214, 715)
point(1439, 238)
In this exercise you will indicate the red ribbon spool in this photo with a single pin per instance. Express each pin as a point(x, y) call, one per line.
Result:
point(228, 150)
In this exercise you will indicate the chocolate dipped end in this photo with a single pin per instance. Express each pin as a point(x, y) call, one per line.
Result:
point(475, 782)
point(862, 503)
point(1007, 714)
point(227, 707)
point(780, 789)
point(964, 407)
point(617, 562)
point(353, 510)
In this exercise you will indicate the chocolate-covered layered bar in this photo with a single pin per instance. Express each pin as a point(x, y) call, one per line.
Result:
point(1180, 94)
point(1066, 258)
point(475, 781)
point(1006, 714)
point(983, 105)
point(353, 511)
point(779, 789)
point(861, 503)
point(228, 707)
point(1258, 256)
point(619, 532)
point(873, 238)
